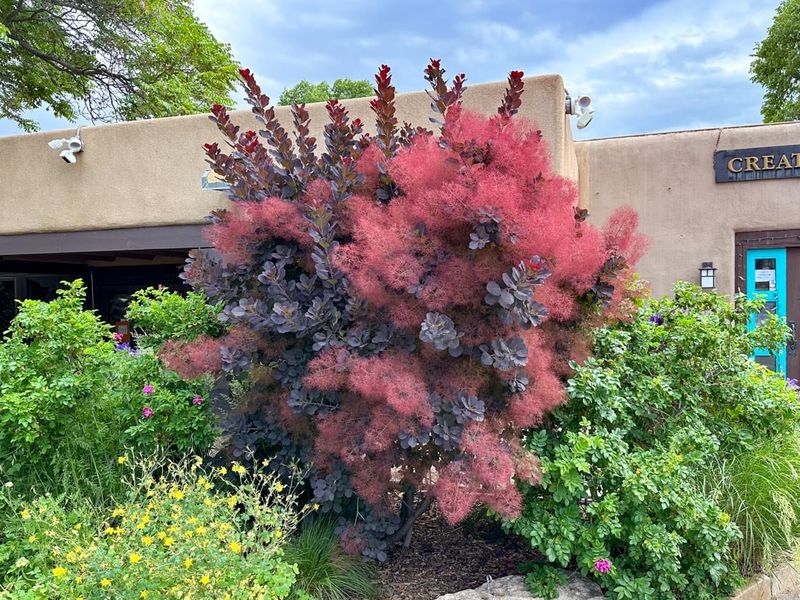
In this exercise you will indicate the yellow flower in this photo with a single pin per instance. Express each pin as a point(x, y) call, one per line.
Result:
point(235, 547)
point(192, 520)
point(237, 468)
point(279, 487)
point(25, 514)
point(205, 580)
point(71, 557)
point(77, 527)
point(161, 535)
point(135, 558)
point(31, 539)
point(316, 506)
point(189, 533)
point(232, 500)
point(223, 471)
point(144, 594)
point(168, 541)
point(278, 533)
point(147, 540)
point(176, 494)
point(118, 512)
point(109, 531)
point(208, 502)
point(105, 582)
point(59, 571)
point(121, 460)
point(201, 530)
point(188, 563)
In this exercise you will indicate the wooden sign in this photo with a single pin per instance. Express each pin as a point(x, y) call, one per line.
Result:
point(755, 164)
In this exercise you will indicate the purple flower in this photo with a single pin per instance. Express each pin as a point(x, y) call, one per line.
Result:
point(602, 566)
point(148, 389)
point(793, 385)
point(197, 400)
point(657, 319)
point(123, 346)
point(147, 412)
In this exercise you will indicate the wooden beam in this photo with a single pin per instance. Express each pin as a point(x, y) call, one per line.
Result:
point(168, 237)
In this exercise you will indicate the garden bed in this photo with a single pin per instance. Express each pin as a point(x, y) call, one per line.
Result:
point(444, 559)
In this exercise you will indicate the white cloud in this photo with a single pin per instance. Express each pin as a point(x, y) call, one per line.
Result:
point(681, 47)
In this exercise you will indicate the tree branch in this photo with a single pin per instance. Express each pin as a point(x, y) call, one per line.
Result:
point(66, 67)
point(404, 532)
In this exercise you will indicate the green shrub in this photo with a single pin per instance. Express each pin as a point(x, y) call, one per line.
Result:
point(70, 402)
point(185, 533)
point(324, 571)
point(760, 489)
point(159, 315)
point(181, 417)
point(663, 396)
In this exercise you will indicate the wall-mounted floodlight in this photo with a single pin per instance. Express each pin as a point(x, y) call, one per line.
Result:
point(73, 146)
point(581, 107)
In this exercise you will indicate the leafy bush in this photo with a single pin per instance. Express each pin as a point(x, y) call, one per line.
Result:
point(70, 402)
point(181, 532)
point(324, 571)
point(760, 489)
point(159, 409)
point(404, 302)
point(663, 396)
point(159, 315)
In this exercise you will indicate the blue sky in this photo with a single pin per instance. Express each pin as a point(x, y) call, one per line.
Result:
point(649, 66)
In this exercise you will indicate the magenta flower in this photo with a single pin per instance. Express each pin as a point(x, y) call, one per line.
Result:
point(118, 337)
point(602, 566)
point(147, 412)
point(148, 389)
point(197, 400)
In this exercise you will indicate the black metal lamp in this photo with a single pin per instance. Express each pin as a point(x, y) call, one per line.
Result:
point(708, 276)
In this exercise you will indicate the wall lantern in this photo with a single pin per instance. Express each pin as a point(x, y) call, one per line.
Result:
point(708, 276)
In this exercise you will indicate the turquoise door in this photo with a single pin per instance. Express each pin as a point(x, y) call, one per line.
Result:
point(766, 278)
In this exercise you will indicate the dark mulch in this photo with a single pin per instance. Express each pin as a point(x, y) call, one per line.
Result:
point(444, 559)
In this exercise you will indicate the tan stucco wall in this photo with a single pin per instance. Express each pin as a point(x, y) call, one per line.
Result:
point(148, 172)
point(669, 180)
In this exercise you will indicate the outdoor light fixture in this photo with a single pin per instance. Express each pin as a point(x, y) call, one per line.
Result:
point(708, 276)
point(581, 107)
point(73, 144)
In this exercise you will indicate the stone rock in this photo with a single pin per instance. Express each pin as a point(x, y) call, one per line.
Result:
point(513, 588)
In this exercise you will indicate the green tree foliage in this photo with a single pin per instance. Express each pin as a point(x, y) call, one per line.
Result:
point(776, 65)
point(623, 463)
point(342, 89)
point(109, 60)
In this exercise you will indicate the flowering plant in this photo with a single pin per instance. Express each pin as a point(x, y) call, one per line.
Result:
point(404, 303)
point(162, 410)
point(70, 402)
point(186, 533)
point(664, 398)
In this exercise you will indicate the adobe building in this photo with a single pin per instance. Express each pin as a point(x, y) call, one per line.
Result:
point(126, 212)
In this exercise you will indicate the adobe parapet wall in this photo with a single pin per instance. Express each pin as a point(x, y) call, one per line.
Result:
point(147, 173)
point(669, 180)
